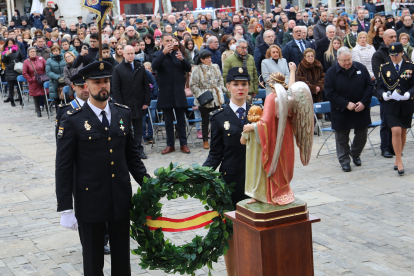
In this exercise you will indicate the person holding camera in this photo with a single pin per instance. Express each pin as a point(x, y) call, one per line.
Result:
point(208, 87)
point(10, 57)
point(55, 66)
point(88, 55)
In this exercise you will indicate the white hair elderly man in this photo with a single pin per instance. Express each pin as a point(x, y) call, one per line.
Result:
point(348, 88)
point(323, 44)
point(260, 52)
point(212, 46)
point(242, 59)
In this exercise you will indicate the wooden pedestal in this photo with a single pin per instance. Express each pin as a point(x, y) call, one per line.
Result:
point(280, 250)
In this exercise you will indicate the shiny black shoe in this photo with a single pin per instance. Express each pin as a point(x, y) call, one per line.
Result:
point(143, 156)
point(386, 154)
point(357, 161)
point(346, 167)
point(6, 100)
point(13, 104)
point(395, 168)
point(107, 250)
point(39, 114)
point(401, 172)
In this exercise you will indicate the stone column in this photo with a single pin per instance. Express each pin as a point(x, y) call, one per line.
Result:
point(347, 6)
point(9, 14)
point(331, 4)
point(301, 4)
point(388, 5)
point(283, 3)
point(166, 4)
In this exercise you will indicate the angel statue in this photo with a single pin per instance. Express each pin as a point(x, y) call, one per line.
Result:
point(270, 153)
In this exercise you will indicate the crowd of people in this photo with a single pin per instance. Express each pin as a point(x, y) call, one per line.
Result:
point(179, 55)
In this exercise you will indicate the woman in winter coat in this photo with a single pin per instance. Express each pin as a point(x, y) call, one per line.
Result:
point(32, 66)
point(329, 57)
point(149, 45)
point(54, 69)
point(69, 70)
point(207, 77)
point(310, 71)
point(10, 56)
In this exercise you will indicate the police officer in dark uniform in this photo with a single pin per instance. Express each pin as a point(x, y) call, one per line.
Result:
point(226, 129)
point(397, 91)
point(96, 141)
point(78, 25)
point(225, 148)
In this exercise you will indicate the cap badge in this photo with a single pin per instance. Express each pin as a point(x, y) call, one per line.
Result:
point(392, 47)
point(102, 66)
point(240, 70)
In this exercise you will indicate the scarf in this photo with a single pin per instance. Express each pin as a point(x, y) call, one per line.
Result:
point(342, 28)
point(405, 47)
point(323, 23)
point(14, 48)
point(242, 58)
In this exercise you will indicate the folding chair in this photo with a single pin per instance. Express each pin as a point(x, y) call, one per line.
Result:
point(261, 95)
point(373, 125)
point(23, 92)
point(49, 101)
point(66, 91)
point(323, 108)
point(190, 102)
point(156, 127)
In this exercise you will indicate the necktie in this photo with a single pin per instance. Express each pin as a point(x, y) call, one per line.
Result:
point(301, 46)
point(240, 111)
point(397, 67)
point(355, 36)
point(132, 67)
point(105, 121)
point(362, 24)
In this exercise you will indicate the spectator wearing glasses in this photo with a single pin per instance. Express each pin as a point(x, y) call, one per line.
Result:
point(260, 52)
point(112, 44)
point(130, 35)
point(305, 20)
point(376, 23)
point(212, 47)
point(67, 47)
point(69, 70)
point(293, 51)
point(88, 55)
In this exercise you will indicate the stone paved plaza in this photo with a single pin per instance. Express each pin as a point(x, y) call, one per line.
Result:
point(366, 229)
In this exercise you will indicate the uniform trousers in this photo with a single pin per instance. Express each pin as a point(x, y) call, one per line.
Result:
point(343, 151)
point(385, 131)
point(137, 125)
point(169, 125)
point(92, 235)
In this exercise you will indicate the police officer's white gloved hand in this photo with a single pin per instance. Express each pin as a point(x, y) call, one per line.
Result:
point(68, 220)
point(406, 96)
point(386, 97)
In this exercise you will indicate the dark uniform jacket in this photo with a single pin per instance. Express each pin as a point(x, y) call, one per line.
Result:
point(63, 108)
point(381, 56)
point(350, 41)
point(404, 81)
point(102, 160)
point(340, 89)
point(226, 149)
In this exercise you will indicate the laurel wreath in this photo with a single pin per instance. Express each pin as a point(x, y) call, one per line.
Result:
point(175, 181)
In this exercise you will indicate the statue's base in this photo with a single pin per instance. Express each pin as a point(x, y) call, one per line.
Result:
point(283, 249)
point(265, 215)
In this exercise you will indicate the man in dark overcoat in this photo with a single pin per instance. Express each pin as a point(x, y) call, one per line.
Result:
point(171, 67)
point(96, 141)
point(131, 88)
point(348, 88)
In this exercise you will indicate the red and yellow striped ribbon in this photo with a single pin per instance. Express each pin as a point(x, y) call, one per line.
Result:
point(178, 225)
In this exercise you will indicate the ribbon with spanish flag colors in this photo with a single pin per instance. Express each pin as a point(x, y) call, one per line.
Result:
point(178, 225)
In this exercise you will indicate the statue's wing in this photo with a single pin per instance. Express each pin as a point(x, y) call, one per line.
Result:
point(281, 108)
point(301, 109)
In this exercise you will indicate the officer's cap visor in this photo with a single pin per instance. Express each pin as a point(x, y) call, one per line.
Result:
point(98, 77)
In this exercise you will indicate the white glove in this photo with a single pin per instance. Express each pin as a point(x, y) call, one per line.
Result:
point(406, 96)
point(386, 97)
point(68, 220)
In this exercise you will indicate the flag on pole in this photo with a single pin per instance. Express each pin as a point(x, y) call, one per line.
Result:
point(98, 7)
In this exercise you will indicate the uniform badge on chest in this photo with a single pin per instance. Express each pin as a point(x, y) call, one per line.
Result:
point(226, 125)
point(87, 126)
point(122, 125)
point(388, 74)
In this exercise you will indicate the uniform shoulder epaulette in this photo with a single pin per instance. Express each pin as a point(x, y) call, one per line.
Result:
point(63, 105)
point(121, 105)
point(73, 111)
point(214, 112)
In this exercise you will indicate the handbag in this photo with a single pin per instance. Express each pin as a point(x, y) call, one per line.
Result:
point(18, 67)
point(205, 98)
point(61, 95)
point(42, 78)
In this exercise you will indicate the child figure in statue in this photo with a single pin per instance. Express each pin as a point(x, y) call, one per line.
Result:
point(270, 153)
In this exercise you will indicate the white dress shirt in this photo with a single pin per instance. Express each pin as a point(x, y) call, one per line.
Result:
point(303, 44)
point(234, 107)
point(399, 64)
point(98, 111)
point(81, 102)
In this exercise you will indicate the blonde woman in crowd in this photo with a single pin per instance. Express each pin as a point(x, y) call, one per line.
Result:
point(363, 52)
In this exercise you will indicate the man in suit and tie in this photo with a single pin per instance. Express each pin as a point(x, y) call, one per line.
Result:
point(363, 24)
point(323, 44)
point(293, 51)
point(304, 21)
point(96, 141)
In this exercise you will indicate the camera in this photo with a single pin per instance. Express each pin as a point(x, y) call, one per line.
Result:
point(175, 48)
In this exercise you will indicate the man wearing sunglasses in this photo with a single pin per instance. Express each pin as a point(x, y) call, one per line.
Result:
point(304, 21)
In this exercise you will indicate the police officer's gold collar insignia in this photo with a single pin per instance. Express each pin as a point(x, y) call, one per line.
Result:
point(226, 125)
point(87, 126)
point(70, 113)
point(102, 66)
point(60, 132)
point(388, 74)
point(240, 70)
